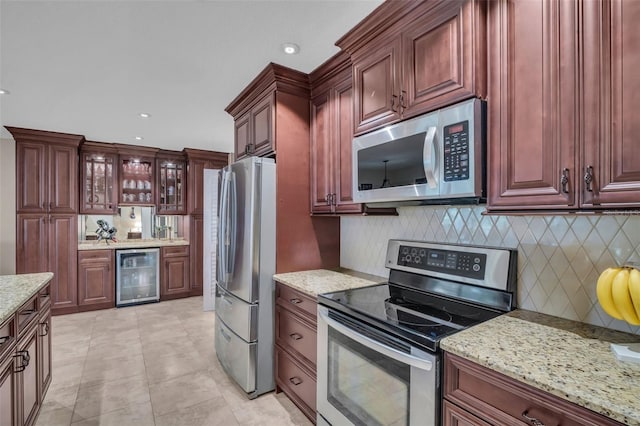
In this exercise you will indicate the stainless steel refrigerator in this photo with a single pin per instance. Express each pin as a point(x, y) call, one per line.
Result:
point(244, 305)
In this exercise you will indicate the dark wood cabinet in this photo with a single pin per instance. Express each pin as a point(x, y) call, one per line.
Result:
point(47, 208)
point(25, 360)
point(296, 336)
point(98, 179)
point(172, 183)
point(331, 137)
point(174, 276)
point(302, 241)
point(254, 130)
point(472, 391)
point(197, 161)
point(561, 130)
point(196, 232)
point(414, 57)
point(136, 172)
point(96, 279)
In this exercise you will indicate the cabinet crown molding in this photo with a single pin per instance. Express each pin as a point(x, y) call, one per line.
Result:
point(338, 64)
point(22, 134)
point(273, 77)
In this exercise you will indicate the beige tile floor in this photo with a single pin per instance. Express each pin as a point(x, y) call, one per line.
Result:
point(149, 365)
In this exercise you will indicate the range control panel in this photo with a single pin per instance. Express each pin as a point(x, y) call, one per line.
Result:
point(464, 264)
point(456, 151)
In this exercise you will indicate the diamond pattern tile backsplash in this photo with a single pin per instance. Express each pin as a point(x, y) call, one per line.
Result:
point(559, 256)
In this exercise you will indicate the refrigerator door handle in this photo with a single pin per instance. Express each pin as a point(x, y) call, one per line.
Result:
point(222, 230)
point(233, 206)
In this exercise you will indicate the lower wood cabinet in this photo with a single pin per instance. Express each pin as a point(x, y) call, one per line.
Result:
point(296, 336)
point(475, 395)
point(174, 275)
point(25, 361)
point(96, 279)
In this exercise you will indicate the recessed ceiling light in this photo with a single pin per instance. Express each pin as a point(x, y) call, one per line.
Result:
point(139, 138)
point(291, 48)
point(4, 92)
point(144, 115)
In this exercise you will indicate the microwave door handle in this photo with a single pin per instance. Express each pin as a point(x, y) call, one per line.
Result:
point(429, 157)
point(377, 346)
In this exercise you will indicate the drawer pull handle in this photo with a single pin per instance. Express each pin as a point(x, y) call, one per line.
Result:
point(4, 339)
point(28, 312)
point(295, 301)
point(25, 360)
point(46, 329)
point(295, 336)
point(295, 381)
point(532, 420)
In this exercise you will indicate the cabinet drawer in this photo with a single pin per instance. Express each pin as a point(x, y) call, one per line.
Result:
point(175, 251)
point(7, 334)
point(296, 334)
point(291, 298)
point(27, 314)
point(295, 380)
point(499, 399)
point(94, 255)
point(44, 297)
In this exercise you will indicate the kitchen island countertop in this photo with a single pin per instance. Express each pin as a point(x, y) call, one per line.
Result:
point(569, 359)
point(15, 290)
point(318, 281)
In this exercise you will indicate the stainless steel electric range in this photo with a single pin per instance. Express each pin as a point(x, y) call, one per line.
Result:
point(378, 346)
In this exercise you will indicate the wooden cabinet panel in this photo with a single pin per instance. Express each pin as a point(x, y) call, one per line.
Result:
point(321, 140)
point(8, 392)
point(342, 156)
point(171, 185)
point(532, 112)
point(242, 136)
point(28, 387)
point(196, 231)
point(98, 182)
point(31, 175)
point(175, 276)
point(197, 162)
point(375, 77)
point(262, 117)
point(44, 356)
point(499, 399)
point(297, 383)
point(452, 415)
point(31, 243)
point(62, 256)
point(96, 278)
point(296, 335)
point(611, 83)
point(296, 301)
point(63, 179)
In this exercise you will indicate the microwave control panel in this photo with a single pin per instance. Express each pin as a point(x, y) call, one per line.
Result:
point(456, 151)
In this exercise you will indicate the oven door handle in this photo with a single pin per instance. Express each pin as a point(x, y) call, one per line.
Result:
point(377, 346)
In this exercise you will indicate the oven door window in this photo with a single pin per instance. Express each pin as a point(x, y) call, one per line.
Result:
point(366, 386)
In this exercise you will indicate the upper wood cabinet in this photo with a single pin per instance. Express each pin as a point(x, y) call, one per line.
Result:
point(137, 171)
point(98, 179)
point(331, 137)
point(197, 161)
point(561, 129)
point(255, 110)
point(413, 57)
point(171, 175)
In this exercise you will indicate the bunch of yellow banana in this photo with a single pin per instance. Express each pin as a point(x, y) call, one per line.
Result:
point(618, 292)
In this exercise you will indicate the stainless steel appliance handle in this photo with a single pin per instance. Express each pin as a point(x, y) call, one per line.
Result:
point(377, 346)
point(429, 157)
point(233, 222)
point(222, 229)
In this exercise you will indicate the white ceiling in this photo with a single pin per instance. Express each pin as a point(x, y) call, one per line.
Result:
point(90, 67)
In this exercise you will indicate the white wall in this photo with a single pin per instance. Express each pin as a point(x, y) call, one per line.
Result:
point(559, 257)
point(7, 207)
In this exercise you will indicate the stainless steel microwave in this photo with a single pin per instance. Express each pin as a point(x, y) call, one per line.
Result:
point(436, 158)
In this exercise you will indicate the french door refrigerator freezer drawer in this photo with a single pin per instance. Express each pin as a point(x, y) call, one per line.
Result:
point(238, 315)
point(238, 358)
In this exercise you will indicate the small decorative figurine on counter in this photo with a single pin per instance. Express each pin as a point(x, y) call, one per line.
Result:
point(106, 232)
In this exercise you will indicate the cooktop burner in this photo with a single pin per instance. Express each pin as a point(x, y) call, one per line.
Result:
point(419, 317)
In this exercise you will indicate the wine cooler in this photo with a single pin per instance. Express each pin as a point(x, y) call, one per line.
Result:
point(138, 276)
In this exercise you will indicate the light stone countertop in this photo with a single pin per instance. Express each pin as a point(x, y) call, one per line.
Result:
point(568, 359)
point(15, 290)
point(320, 281)
point(130, 244)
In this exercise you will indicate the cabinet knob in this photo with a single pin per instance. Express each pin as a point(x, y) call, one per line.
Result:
point(564, 180)
point(295, 336)
point(531, 420)
point(588, 178)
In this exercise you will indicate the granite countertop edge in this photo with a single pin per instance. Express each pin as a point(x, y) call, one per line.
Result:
point(318, 281)
point(574, 363)
point(15, 290)
point(94, 245)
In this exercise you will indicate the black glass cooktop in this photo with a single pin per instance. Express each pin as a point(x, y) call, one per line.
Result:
point(418, 317)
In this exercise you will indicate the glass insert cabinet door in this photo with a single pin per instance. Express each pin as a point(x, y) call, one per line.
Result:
point(171, 186)
point(98, 183)
point(137, 183)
